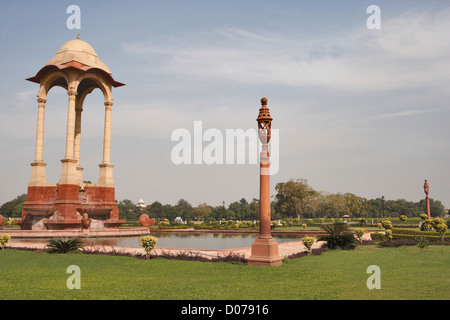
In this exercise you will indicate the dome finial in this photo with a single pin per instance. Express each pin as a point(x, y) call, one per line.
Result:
point(78, 37)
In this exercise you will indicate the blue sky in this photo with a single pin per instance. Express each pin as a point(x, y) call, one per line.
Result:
point(358, 110)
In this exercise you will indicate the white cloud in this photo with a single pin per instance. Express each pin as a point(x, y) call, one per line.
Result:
point(409, 51)
point(404, 113)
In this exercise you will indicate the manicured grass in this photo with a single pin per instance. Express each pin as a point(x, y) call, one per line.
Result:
point(406, 273)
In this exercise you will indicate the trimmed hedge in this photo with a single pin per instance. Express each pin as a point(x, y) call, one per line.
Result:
point(377, 236)
point(411, 234)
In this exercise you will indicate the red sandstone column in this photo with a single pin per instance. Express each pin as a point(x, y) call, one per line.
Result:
point(264, 248)
point(426, 188)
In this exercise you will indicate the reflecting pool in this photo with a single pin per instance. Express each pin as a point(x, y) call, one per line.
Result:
point(212, 241)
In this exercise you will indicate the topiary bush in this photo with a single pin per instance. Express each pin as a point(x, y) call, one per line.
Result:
point(4, 239)
point(148, 243)
point(387, 224)
point(360, 233)
point(308, 242)
point(388, 235)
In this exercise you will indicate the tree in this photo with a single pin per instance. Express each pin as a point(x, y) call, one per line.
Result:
point(355, 206)
point(253, 208)
point(185, 209)
point(333, 205)
point(127, 210)
point(202, 211)
point(13, 208)
point(155, 210)
point(293, 197)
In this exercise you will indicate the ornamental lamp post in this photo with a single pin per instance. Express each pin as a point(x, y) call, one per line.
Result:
point(264, 250)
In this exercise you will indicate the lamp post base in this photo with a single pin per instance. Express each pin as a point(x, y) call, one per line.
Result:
point(265, 253)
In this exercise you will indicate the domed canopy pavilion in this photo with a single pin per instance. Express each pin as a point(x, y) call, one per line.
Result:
point(63, 205)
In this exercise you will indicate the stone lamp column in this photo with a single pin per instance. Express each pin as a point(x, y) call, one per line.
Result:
point(264, 249)
point(426, 189)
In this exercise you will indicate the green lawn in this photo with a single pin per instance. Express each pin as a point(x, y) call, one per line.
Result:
point(406, 273)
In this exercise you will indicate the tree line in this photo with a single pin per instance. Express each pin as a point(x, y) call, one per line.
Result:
point(293, 199)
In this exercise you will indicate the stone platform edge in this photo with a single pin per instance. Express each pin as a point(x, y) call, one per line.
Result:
point(27, 234)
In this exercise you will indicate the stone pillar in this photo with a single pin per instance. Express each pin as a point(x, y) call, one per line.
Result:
point(106, 168)
point(69, 163)
point(38, 166)
point(426, 189)
point(107, 134)
point(264, 193)
point(77, 140)
point(39, 156)
point(264, 249)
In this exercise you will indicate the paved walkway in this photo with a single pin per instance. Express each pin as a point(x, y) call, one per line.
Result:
point(285, 249)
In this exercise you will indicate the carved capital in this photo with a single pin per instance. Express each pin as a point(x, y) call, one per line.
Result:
point(41, 100)
point(109, 104)
point(72, 93)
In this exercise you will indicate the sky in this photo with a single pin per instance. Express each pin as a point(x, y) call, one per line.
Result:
point(357, 109)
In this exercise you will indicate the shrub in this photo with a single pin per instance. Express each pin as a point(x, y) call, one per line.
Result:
point(345, 242)
point(426, 225)
point(304, 226)
point(338, 236)
point(403, 218)
point(63, 245)
point(360, 232)
point(397, 243)
point(421, 242)
point(4, 239)
point(148, 243)
point(388, 235)
point(308, 242)
point(377, 236)
point(412, 234)
point(387, 224)
point(440, 227)
point(313, 252)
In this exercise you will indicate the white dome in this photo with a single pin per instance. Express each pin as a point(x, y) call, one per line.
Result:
point(80, 51)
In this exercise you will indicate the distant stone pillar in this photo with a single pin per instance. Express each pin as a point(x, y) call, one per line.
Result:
point(106, 168)
point(426, 189)
point(38, 166)
point(264, 249)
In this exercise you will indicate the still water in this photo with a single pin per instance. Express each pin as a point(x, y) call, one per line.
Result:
point(213, 241)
